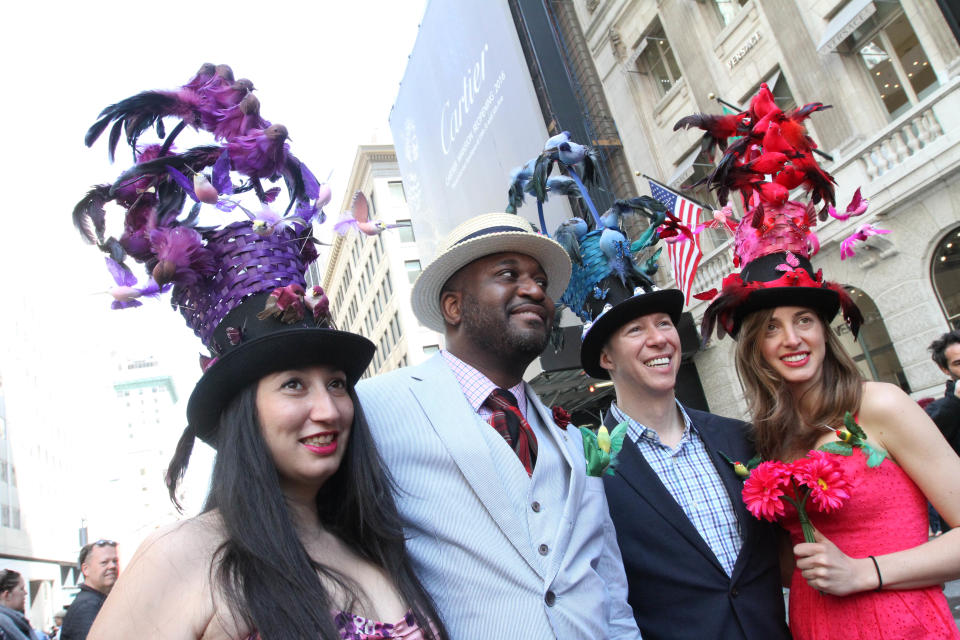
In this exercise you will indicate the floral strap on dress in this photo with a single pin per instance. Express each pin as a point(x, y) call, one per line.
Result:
point(852, 435)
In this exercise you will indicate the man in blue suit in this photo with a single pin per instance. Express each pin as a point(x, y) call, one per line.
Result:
point(698, 565)
point(506, 532)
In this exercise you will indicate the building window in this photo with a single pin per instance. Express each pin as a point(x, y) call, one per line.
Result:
point(656, 59)
point(387, 285)
point(413, 269)
point(946, 276)
point(431, 349)
point(396, 193)
point(727, 9)
point(890, 51)
point(395, 328)
point(872, 349)
point(405, 231)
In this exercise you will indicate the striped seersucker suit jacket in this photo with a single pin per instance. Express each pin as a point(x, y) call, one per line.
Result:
point(471, 545)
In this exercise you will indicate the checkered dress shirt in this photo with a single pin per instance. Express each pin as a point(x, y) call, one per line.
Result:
point(690, 476)
point(477, 387)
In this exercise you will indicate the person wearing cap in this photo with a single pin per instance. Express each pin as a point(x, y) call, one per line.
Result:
point(299, 537)
point(866, 455)
point(506, 531)
point(100, 567)
point(674, 495)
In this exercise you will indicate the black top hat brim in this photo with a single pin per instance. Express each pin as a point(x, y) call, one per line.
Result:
point(824, 301)
point(821, 299)
point(285, 349)
point(669, 301)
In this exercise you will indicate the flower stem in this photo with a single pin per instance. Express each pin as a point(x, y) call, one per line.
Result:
point(805, 525)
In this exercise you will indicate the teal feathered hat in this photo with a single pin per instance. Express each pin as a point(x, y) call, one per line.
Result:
point(607, 287)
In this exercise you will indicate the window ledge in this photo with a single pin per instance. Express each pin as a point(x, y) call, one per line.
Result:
point(679, 88)
point(748, 11)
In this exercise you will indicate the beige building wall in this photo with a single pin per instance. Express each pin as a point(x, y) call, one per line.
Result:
point(369, 278)
point(906, 161)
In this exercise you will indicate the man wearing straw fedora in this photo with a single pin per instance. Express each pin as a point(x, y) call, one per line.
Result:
point(506, 532)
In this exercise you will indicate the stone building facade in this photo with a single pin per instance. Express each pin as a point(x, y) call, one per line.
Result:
point(891, 70)
point(369, 278)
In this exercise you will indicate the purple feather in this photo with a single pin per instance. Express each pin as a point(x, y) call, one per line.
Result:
point(344, 225)
point(270, 195)
point(126, 304)
point(221, 174)
point(260, 154)
point(310, 184)
point(181, 256)
point(121, 275)
point(182, 180)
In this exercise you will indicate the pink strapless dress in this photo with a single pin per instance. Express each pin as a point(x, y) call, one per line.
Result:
point(886, 512)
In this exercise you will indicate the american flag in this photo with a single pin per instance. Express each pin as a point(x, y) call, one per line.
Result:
point(684, 256)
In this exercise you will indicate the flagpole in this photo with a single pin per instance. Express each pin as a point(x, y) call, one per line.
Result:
point(682, 195)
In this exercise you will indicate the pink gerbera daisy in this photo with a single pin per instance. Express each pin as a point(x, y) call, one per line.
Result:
point(826, 479)
point(764, 489)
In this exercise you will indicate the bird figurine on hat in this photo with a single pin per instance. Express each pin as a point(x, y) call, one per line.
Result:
point(771, 156)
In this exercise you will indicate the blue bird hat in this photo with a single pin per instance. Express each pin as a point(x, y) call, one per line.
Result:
point(607, 287)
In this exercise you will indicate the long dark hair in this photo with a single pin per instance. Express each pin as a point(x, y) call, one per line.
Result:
point(781, 429)
point(263, 569)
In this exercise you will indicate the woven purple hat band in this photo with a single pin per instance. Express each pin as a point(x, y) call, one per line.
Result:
point(249, 264)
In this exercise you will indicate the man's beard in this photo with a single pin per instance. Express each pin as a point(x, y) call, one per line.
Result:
point(496, 334)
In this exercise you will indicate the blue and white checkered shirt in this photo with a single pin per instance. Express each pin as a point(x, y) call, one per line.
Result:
point(692, 479)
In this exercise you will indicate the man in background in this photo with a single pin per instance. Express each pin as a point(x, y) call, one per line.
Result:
point(100, 568)
point(945, 411)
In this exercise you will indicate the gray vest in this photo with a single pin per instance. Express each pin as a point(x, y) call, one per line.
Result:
point(538, 499)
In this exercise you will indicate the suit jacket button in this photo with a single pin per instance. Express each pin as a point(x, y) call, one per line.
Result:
point(550, 598)
point(734, 593)
point(535, 506)
point(543, 549)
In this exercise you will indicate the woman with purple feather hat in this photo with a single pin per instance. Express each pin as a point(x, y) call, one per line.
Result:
point(299, 536)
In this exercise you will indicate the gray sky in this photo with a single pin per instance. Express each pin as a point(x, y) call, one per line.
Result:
point(329, 71)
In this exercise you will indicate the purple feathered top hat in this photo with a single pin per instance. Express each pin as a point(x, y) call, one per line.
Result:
point(238, 278)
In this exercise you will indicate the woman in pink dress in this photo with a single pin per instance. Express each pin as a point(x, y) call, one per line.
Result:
point(871, 572)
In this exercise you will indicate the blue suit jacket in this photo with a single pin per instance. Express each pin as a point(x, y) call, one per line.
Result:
point(469, 543)
point(678, 589)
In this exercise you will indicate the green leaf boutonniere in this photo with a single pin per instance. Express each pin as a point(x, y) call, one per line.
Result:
point(601, 448)
point(852, 435)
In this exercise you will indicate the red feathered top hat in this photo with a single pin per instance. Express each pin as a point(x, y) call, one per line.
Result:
point(774, 241)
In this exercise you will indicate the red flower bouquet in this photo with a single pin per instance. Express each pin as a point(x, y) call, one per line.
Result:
point(817, 480)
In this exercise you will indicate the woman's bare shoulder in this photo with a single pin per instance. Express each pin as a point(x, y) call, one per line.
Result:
point(183, 542)
point(884, 403)
point(165, 590)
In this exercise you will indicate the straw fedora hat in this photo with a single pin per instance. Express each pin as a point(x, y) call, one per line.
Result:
point(481, 236)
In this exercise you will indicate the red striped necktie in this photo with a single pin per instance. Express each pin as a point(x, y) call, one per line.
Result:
point(510, 423)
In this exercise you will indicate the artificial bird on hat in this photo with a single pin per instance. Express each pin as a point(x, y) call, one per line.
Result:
point(607, 266)
point(774, 241)
point(158, 230)
point(357, 217)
